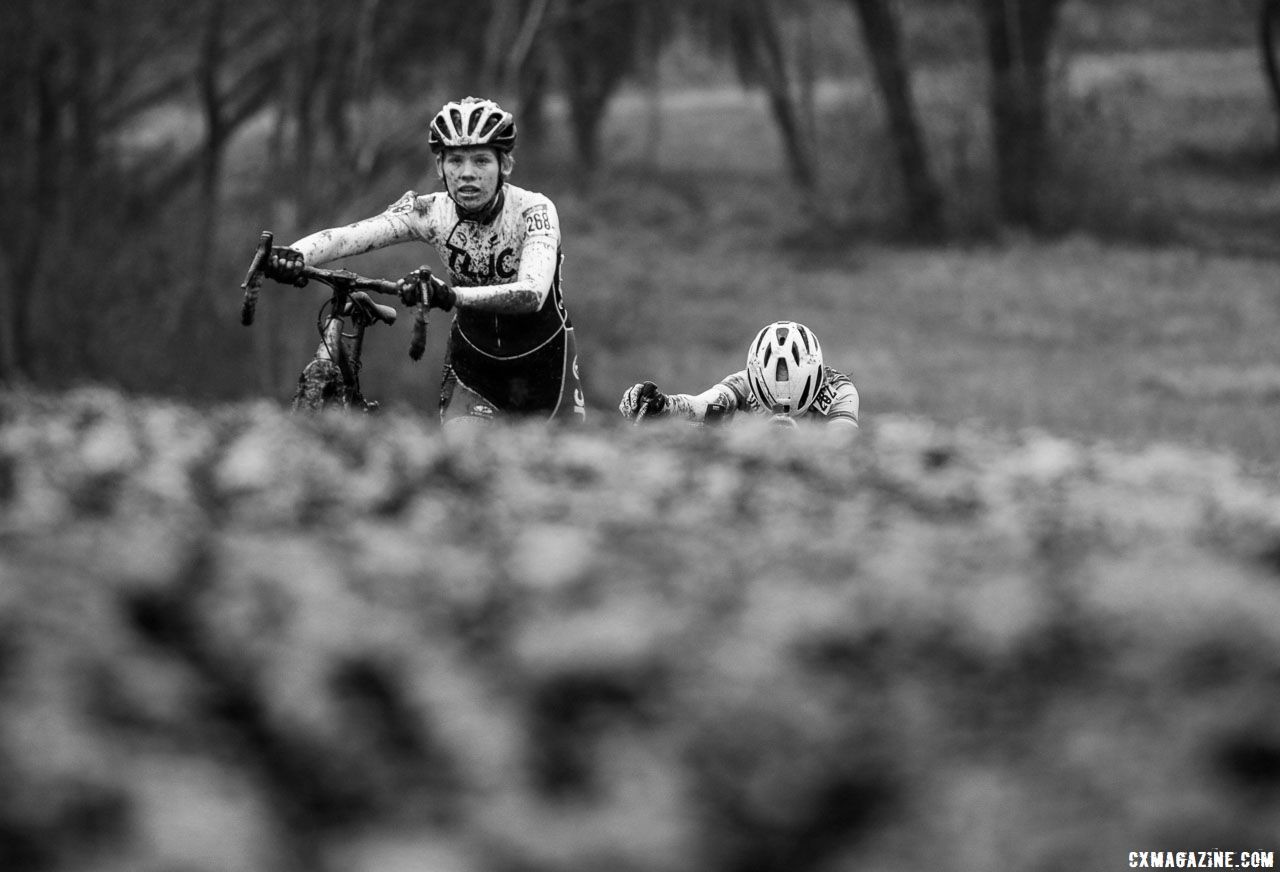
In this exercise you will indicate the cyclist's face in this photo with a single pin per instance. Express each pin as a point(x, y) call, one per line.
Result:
point(471, 175)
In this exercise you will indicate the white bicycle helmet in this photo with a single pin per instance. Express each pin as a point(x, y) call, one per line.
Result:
point(784, 368)
point(472, 121)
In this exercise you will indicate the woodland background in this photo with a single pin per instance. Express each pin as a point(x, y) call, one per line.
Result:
point(1058, 213)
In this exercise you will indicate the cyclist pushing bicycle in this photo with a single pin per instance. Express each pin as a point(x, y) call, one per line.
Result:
point(511, 349)
point(785, 378)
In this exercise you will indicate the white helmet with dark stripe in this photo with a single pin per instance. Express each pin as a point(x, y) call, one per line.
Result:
point(784, 368)
point(472, 121)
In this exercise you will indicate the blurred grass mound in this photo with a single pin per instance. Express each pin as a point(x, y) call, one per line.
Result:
point(234, 641)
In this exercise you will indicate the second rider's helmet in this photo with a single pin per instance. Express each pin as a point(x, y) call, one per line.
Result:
point(472, 121)
point(784, 368)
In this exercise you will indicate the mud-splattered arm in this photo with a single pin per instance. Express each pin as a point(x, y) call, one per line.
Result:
point(839, 400)
point(538, 261)
point(694, 407)
point(368, 234)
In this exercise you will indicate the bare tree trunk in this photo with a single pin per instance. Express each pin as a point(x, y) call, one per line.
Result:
point(531, 101)
point(595, 42)
point(196, 307)
point(1019, 34)
point(500, 30)
point(882, 34)
point(771, 66)
point(522, 45)
point(362, 56)
point(85, 97)
point(269, 342)
point(17, 98)
point(524, 74)
point(583, 84)
point(11, 368)
point(651, 76)
point(43, 211)
point(808, 72)
point(1268, 25)
point(308, 66)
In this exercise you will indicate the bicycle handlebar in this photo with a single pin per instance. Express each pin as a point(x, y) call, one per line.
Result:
point(339, 279)
point(346, 280)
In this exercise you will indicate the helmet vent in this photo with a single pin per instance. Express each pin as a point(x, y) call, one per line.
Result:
point(469, 122)
point(784, 368)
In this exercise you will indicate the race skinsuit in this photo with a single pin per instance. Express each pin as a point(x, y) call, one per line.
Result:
point(511, 348)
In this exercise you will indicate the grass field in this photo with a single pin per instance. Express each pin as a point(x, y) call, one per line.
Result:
point(1133, 338)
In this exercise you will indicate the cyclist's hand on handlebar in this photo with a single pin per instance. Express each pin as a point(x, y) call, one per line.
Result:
point(284, 265)
point(420, 286)
point(642, 398)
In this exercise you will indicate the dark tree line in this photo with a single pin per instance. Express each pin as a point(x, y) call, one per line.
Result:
point(86, 195)
point(1269, 46)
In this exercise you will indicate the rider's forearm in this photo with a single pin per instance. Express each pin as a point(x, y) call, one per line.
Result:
point(526, 294)
point(693, 407)
point(366, 235)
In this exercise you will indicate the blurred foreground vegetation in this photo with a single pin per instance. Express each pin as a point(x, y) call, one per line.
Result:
point(233, 641)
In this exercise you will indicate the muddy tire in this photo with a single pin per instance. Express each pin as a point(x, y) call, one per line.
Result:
point(319, 387)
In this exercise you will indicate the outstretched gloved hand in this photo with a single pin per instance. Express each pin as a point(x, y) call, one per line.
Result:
point(641, 400)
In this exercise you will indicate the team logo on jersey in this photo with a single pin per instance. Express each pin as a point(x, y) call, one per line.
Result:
point(478, 268)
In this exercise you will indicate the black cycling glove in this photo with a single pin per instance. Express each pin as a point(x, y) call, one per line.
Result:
point(420, 286)
point(285, 265)
point(642, 399)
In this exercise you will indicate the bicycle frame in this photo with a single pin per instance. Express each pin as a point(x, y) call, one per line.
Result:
point(333, 375)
